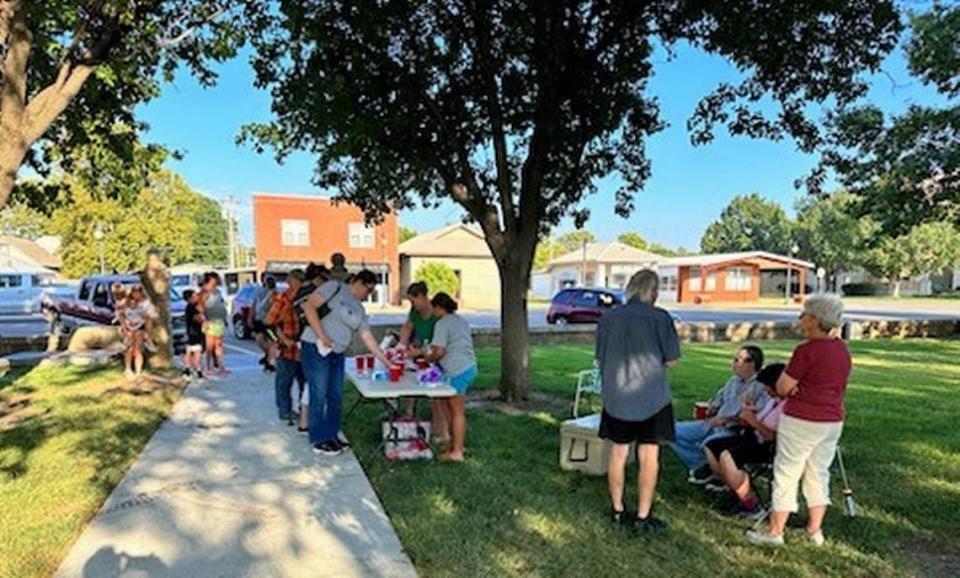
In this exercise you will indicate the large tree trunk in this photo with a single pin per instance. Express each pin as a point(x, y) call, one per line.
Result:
point(156, 280)
point(896, 287)
point(11, 157)
point(514, 328)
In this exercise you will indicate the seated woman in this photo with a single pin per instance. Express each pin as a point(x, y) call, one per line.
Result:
point(756, 444)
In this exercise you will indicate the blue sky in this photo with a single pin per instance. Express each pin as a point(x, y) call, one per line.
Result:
point(689, 187)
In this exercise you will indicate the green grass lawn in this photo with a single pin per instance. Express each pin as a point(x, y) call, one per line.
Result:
point(510, 511)
point(80, 430)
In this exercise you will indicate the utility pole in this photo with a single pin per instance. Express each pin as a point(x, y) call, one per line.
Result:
point(583, 265)
point(229, 215)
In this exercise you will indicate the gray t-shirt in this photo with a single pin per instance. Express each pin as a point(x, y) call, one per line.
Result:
point(347, 316)
point(633, 342)
point(452, 333)
point(263, 302)
point(214, 307)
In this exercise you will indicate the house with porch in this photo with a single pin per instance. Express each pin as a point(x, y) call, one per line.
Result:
point(723, 277)
point(733, 277)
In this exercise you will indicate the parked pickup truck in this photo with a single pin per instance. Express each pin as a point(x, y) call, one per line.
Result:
point(93, 305)
point(22, 294)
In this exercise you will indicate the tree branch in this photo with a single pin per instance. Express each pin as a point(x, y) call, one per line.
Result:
point(189, 30)
point(483, 56)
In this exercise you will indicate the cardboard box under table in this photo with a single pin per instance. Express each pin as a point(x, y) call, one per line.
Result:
point(385, 391)
point(581, 448)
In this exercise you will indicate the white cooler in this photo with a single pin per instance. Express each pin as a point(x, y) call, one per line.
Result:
point(581, 448)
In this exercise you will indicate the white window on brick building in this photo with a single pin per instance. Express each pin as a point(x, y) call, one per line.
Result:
point(295, 232)
point(738, 279)
point(361, 236)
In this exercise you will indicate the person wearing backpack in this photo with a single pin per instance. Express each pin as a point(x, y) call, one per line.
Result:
point(333, 313)
point(282, 318)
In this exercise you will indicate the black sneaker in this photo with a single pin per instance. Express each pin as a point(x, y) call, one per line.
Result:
point(756, 513)
point(327, 449)
point(619, 519)
point(186, 373)
point(648, 525)
point(715, 485)
point(701, 475)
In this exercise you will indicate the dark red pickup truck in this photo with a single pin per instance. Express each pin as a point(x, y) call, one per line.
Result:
point(93, 305)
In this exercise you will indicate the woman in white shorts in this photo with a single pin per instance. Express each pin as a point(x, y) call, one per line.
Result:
point(814, 384)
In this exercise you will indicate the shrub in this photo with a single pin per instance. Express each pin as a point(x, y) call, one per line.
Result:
point(438, 277)
point(863, 289)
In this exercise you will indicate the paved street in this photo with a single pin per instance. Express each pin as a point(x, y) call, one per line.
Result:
point(860, 310)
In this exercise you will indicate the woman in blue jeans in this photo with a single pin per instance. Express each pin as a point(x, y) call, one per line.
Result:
point(452, 348)
point(334, 314)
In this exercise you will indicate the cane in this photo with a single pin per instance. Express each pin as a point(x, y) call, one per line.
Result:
point(848, 501)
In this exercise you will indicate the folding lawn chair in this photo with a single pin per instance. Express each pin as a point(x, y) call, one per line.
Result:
point(588, 383)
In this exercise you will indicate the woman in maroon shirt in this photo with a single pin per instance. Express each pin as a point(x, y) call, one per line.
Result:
point(814, 382)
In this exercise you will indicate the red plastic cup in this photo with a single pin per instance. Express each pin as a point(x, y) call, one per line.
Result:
point(395, 372)
point(359, 361)
point(700, 410)
point(370, 361)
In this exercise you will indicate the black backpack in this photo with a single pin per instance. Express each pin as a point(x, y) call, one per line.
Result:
point(300, 302)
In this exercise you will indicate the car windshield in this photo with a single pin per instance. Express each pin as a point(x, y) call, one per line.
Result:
point(180, 280)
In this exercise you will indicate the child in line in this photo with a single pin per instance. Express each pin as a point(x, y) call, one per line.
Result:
point(137, 315)
point(194, 352)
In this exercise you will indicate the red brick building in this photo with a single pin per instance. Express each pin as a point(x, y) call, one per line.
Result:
point(731, 277)
point(291, 231)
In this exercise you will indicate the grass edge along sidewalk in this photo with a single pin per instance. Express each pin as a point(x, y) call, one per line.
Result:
point(77, 432)
point(510, 511)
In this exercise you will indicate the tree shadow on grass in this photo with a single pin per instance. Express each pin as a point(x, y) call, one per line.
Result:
point(510, 511)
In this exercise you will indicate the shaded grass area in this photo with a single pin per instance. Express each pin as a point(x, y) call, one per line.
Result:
point(58, 465)
point(510, 511)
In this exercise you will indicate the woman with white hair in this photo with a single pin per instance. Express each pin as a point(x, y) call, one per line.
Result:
point(814, 383)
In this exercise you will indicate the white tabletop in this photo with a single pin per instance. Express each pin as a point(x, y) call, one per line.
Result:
point(408, 386)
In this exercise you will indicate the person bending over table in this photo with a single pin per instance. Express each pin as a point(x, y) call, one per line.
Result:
point(452, 349)
point(722, 414)
point(814, 384)
point(727, 456)
point(322, 345)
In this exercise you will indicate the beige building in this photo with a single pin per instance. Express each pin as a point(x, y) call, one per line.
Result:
point(463, 249)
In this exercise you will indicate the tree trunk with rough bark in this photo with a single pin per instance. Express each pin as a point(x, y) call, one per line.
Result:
point(514, 332)
point(156, 281)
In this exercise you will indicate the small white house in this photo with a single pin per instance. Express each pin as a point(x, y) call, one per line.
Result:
point(607, 265)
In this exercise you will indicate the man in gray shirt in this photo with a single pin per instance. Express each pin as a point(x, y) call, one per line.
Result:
point(636, 344)
point(723, 413)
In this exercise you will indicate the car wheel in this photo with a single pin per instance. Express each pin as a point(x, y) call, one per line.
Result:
point(560, 320)
point(240, 330)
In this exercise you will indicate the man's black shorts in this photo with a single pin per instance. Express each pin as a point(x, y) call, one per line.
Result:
point(744, 449)
point(656, 429)
point(258, 327)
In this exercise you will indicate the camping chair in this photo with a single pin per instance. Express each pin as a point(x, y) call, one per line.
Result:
point(588, 382)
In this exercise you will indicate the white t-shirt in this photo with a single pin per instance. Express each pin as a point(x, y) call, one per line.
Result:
point(135, 316)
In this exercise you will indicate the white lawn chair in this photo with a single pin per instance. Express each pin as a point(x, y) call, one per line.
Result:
point(588, 382)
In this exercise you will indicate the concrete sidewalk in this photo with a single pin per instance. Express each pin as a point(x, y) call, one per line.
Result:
point(224, 489)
